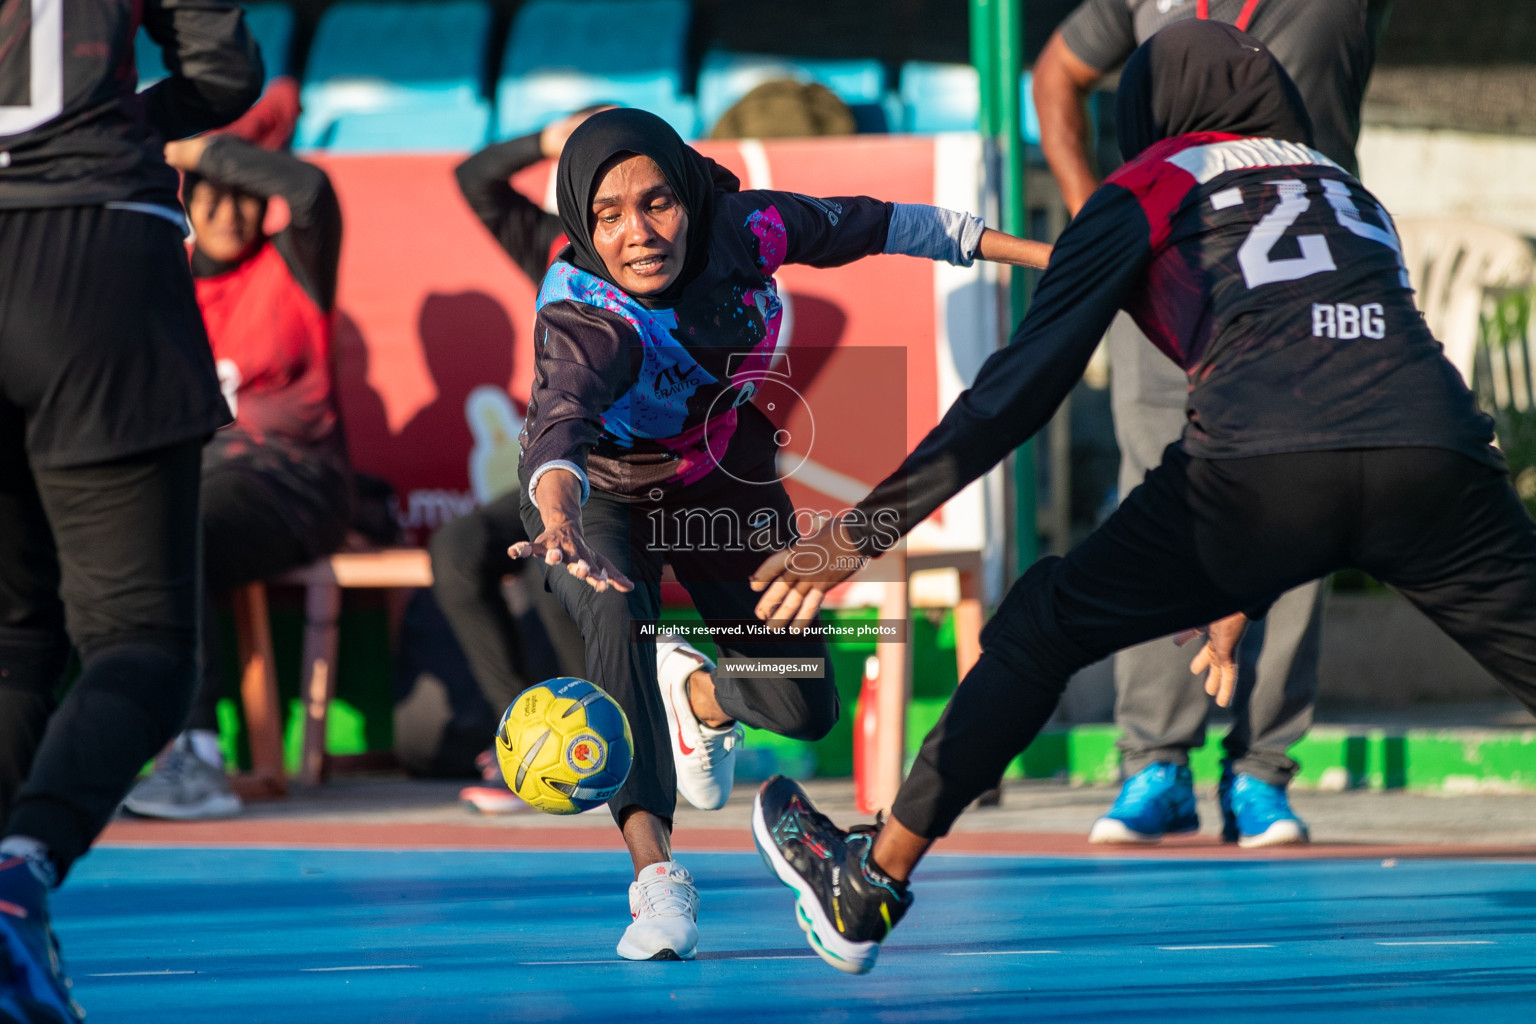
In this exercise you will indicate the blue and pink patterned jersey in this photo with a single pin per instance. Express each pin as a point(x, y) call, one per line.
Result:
point(637, 396)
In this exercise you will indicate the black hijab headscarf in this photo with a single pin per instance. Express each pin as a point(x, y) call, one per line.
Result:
point(694, 178)
point(1206, 76)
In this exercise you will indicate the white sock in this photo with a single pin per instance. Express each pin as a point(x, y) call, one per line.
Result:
point(36, 853)
point(205, 745)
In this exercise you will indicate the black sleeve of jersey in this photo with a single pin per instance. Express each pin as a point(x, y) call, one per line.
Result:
point(587, 358)
point(216, 70)
point(519, 225)
point(1100, 33)
point(311, 243)
point(831, 232)
point(1097, 263)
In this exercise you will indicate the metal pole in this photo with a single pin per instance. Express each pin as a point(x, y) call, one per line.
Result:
point(1008, 40)
point(984, 56)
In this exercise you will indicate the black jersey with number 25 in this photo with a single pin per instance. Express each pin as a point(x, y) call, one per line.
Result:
point(1269, 274)
point(73, 130)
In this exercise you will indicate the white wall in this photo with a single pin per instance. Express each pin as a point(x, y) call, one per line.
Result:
point(1424, 173)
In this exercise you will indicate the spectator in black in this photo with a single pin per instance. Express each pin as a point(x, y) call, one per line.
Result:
point(276, 488)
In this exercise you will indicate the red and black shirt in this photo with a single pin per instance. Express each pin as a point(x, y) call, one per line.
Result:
point(1259, 266)
point(269, 316)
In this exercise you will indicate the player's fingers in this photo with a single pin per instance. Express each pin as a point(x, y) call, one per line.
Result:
point(786, 609)
point(522, 549)
point(1202, 660)
point(770, 570)
point(769, 602)
point(580, 569)
point(617, 580)
point(1227, 685)
point(807, 610)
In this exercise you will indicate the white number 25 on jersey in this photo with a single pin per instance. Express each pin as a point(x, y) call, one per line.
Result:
point(46, 92)
point(1253, 256)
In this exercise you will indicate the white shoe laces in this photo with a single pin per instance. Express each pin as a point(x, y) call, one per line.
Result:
point(668, 895)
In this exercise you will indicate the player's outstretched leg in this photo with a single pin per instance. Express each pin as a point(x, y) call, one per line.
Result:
point(843, 903)
point(33, 986)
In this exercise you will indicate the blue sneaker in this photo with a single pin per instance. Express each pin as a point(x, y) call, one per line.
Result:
point(1255, 813)
point(33, 988)
point(1157, 801)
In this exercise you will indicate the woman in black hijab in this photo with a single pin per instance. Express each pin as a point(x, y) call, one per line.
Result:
point(1326, 430)
point(655, 329)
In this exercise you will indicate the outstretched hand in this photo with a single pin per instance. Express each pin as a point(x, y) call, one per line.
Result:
point(794, 581)
point(1217, 659)
point(563, 545)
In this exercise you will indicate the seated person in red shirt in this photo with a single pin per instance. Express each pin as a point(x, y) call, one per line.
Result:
point(276, 486)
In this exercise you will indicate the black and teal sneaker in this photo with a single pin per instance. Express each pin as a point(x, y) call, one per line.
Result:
point(33, 987)
point(844, 905)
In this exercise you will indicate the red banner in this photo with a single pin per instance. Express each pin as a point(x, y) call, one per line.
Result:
point(431, 310)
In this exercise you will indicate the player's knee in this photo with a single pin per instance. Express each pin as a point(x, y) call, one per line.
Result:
point(816, 712)
point(1026, 632)
point(156, 674)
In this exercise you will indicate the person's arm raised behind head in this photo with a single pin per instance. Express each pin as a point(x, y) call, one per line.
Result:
point(216, 70)
point(523, 229)
point(311, 242)
point(1062, 84)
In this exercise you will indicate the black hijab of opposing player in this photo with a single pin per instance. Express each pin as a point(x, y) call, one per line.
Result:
point(1206, 76)
point(694, 178)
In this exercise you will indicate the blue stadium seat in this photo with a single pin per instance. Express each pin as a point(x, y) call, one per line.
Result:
point(270, 23)
point(940, 97)
point(725, 78)
point(946, 98)
point(458, 130)
point(389, 56)
point(563, 55)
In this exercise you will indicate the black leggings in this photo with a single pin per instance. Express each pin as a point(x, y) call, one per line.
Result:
point(1201, 539)
point(104, 556)
point(713, 565)
point(267, 508)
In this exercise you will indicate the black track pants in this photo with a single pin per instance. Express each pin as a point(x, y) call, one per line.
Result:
point(1201, 539)
point(104, 557)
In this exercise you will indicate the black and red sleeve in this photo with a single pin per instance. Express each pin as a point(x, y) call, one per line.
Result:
point(1097, 265)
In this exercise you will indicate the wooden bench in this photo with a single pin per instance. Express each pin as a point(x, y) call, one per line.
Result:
point(324, 581)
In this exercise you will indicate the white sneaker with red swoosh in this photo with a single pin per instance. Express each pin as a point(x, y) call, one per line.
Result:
point(705, 756)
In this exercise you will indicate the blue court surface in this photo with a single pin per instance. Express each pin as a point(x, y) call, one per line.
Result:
point(269, 935)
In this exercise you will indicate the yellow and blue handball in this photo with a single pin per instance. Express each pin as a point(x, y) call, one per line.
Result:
point(564, 746)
